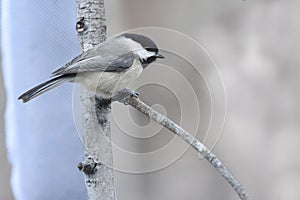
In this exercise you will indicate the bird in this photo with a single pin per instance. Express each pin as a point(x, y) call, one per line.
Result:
point(105, 69)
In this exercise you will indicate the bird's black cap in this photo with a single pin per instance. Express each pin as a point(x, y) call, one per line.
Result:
point(146, 42)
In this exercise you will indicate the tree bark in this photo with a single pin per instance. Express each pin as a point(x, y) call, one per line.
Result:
point(96, 130)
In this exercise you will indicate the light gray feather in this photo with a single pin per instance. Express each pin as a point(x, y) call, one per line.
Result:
point(111, 56)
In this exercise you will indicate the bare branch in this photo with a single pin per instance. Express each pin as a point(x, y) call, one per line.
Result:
point(97, 166)
point(188, 138)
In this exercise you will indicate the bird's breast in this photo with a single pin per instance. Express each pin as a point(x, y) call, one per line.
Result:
point(107, 83)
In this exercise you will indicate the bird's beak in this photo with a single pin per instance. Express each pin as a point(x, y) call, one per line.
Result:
point(158, 55)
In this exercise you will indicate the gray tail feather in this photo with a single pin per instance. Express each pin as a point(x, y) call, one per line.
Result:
point(46, 86)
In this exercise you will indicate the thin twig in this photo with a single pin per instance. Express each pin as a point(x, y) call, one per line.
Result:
point(188, 138)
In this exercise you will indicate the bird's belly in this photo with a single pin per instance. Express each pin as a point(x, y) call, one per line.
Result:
point(107, 83)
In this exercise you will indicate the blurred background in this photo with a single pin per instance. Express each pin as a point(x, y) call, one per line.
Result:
point(255, 46)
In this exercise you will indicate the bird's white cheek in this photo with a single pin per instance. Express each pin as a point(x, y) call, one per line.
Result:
point(144, 54)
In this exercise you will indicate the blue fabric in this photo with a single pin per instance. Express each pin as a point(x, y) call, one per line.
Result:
point(43, 145)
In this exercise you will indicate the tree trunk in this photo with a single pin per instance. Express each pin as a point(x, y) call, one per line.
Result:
point(96, 130)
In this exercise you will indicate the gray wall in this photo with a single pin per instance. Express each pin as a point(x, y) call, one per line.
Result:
point(255, 45)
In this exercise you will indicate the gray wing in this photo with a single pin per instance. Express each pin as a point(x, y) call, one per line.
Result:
point(90, 61)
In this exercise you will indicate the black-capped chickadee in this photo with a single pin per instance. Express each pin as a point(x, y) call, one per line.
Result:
point(106, 68)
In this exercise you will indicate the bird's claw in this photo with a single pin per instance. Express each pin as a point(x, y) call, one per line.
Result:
point(124, 96)
point(135, 94)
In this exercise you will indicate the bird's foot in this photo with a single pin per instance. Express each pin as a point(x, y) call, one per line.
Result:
point(124, 95)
